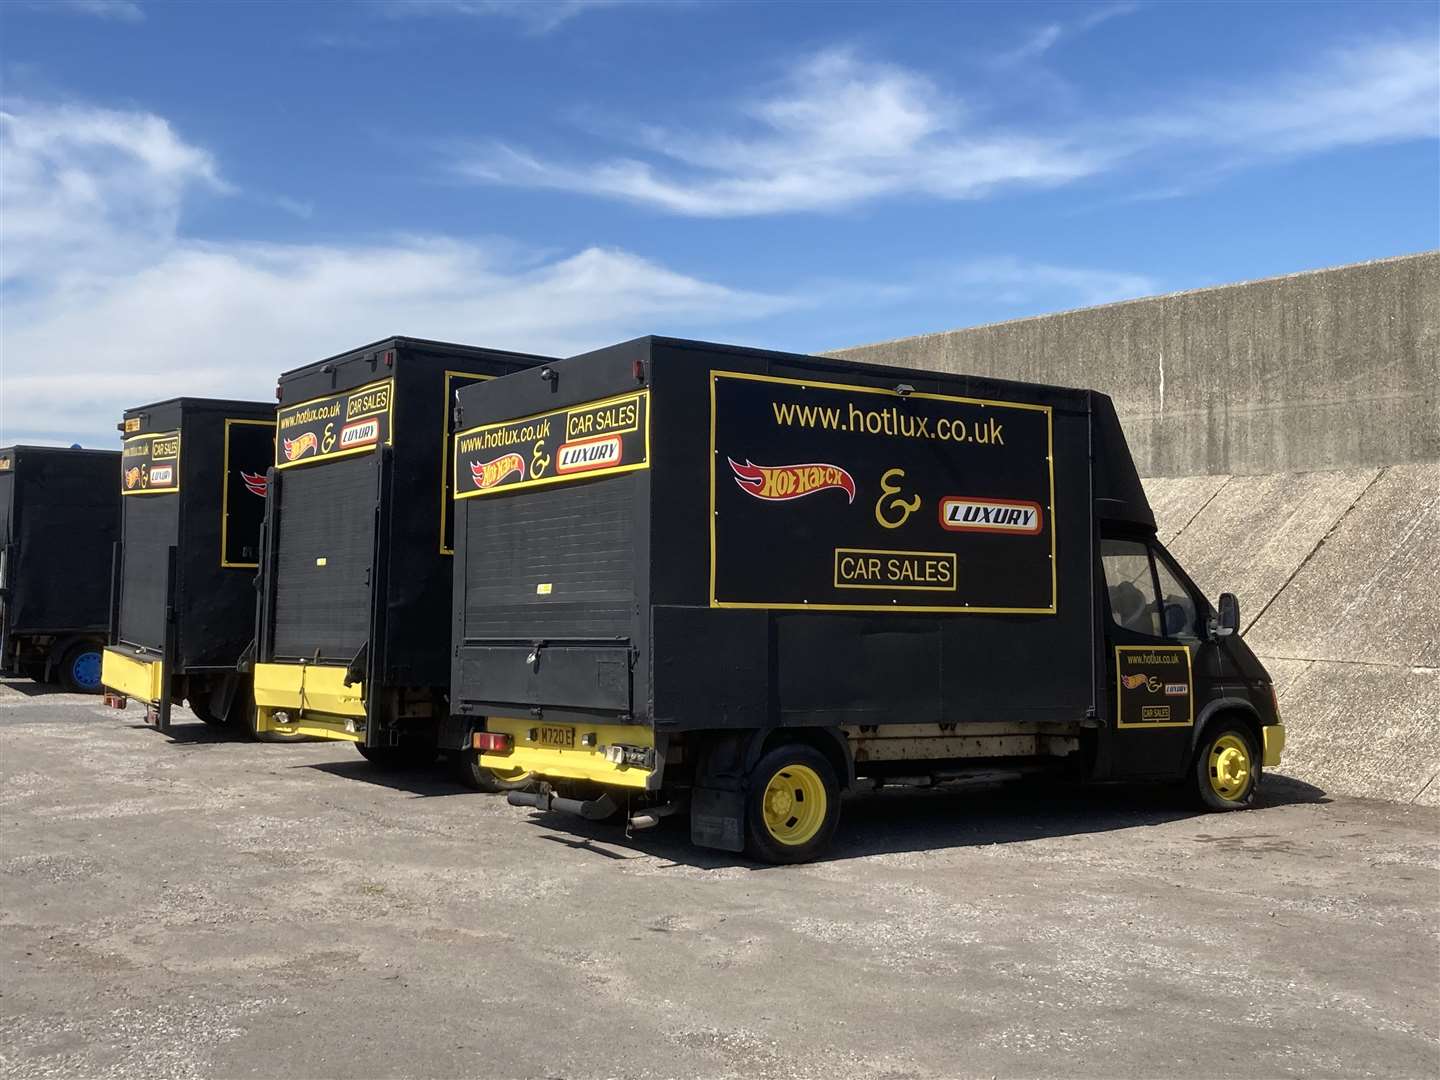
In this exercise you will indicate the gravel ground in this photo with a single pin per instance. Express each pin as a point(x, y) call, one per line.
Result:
point(198, 907)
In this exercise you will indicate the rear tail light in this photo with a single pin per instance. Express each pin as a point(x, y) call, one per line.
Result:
point(491, 742)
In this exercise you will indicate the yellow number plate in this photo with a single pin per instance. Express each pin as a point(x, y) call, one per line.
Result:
point(562, 737)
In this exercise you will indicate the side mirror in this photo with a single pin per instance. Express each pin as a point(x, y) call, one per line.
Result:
point(1227, 619)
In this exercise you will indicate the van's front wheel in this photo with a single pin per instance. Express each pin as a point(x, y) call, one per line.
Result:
point(1226, 771)
point(792, 806)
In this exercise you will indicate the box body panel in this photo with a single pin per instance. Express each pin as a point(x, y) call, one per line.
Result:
point(983, 603)
point(356, 567)
point(58, 525)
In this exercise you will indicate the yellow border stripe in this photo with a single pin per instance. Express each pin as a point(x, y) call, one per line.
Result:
point(911, 609)
point(368, 448)
point(225, 495)
point(1189, 682)
point(557, 478)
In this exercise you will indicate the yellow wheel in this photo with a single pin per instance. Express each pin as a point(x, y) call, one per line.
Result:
point(792, 806)
point(1226, 768)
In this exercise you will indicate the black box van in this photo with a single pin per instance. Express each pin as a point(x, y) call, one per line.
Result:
point(352, 635)
point(59, 517)
point(192, 491)
point(736, 582)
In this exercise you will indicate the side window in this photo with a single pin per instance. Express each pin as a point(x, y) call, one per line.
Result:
point(1177, 612)
point(1131, 586)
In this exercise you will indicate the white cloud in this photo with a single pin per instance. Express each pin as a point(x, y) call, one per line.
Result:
point(108, 304)
point(1385, 90)
point(86, 186)
point(1046, 36)
point(840, 131)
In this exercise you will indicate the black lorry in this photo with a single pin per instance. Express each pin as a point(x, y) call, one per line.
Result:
point(352, 624)
point(192, 491)
point(691, 577)
point(59, 517)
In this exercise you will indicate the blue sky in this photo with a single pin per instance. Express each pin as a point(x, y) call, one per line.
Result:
point(198, 196)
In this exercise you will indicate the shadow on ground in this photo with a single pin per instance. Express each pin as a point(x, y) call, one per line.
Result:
point(426, 782)
point(31, 688)
point(896, 821)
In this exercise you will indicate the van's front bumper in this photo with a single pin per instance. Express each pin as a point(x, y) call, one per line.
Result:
point(1274, 740)
point(310, 700)
point(132, 676)
point(585, 755)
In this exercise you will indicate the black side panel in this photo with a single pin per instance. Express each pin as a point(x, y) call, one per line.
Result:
point(555, 563)
point(327, 536)
point(65, 519)
point(151, 527)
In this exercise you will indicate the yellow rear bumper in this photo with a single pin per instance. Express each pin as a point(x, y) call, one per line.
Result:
point(307, 699)
point(1274, 736)
point(143, 680)
point(580, 762)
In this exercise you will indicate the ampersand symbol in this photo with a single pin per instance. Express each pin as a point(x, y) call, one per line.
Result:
point(891, 502)
point(539, 462)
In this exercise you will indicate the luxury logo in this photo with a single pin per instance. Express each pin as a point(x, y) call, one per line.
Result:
point(780, 483)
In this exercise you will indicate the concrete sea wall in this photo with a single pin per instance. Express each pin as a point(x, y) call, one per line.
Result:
point(1289, 436)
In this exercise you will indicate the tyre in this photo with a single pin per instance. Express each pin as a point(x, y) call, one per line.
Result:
point(478, 777)
point(792, 806)
point(398, 758)
point(80, 668)
point(200, 705)
point(1226, 770)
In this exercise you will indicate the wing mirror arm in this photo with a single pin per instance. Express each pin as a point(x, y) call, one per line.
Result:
point(1227, 617)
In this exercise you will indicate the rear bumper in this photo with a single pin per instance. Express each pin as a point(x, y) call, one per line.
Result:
point(308, 699)
point(143, 680)
point(580, 762)
point(1274, 740)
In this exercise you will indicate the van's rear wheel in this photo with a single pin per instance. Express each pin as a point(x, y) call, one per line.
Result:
point(1226, 770)
point(792, 806)
point(200, 705)
point(478, 777)
point(80, 669)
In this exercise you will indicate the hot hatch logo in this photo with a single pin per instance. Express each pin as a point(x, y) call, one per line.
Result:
point(132, 476)
point(298, 448)
point(255, 483)
point(779, 483)
point(959, 514)
point(486, 474)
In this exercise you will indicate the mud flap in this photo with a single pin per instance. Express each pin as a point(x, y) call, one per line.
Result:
point(717, 819)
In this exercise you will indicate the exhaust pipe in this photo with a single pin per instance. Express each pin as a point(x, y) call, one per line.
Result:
point(546, 800)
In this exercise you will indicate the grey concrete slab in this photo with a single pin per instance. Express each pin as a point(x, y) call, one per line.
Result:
point(1370, 592)
point(1334, 369)
point(203, 908)
point(1362, 729)
point(1175, 500)
point(1257, 531)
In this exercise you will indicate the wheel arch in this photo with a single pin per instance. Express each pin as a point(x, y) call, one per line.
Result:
point(1231, 708)
point(829, 741)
